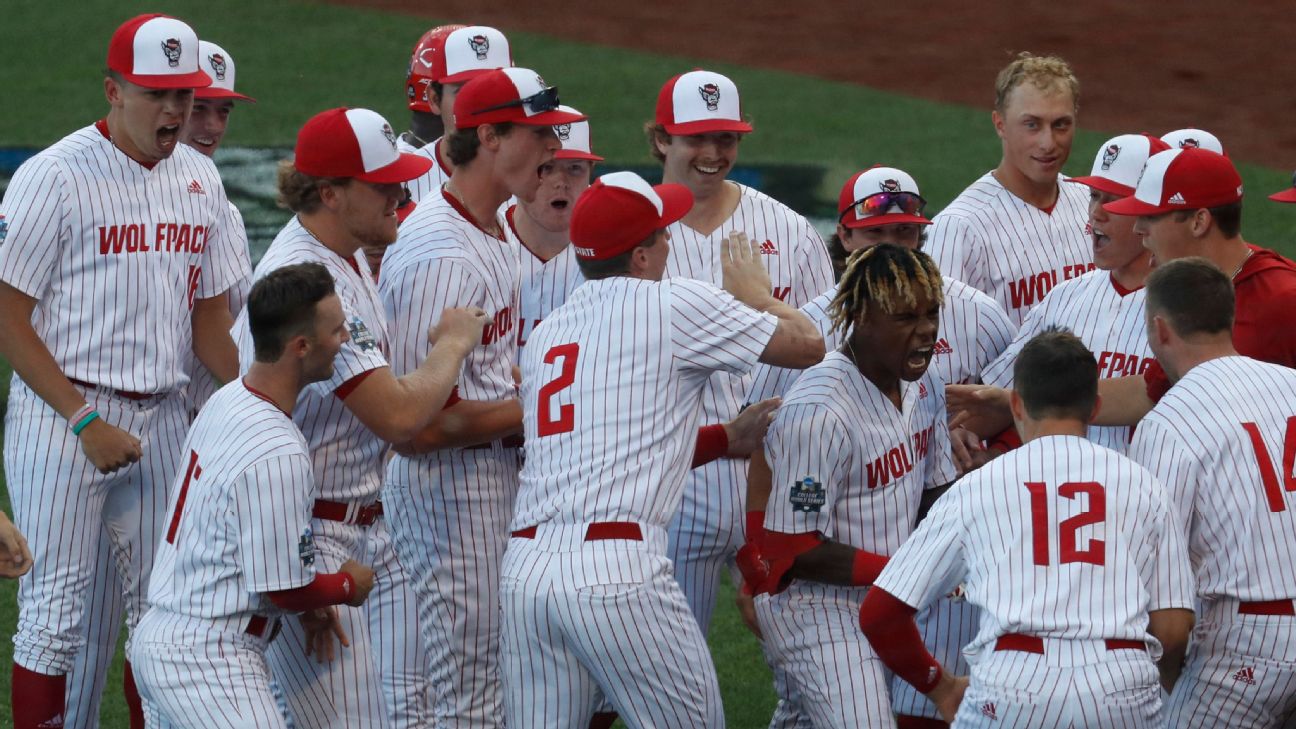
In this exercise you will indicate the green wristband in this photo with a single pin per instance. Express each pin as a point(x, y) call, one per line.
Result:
point(80, 426)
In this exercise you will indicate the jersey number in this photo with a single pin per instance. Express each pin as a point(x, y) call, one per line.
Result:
point(1268, 477)
point(191, 475)
point(1067, 528)
point(566, 420)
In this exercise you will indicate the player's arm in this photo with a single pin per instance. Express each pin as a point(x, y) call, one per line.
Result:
point(15, 556)
point(1124, 401)
point(738, 438)
point(796, 342)
point(889, 625)
point(466, 423)
point(212, 343)
point(1172, 628)
point(108, 447)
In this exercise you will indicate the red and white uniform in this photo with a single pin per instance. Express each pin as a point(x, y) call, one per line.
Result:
point(1223, 440)
point(449, 509)
point(708, 530)
point(115, 254)
point(849, 465)
point(610, 445)
point(239, 526)
point(434, 178)
point(1107, 318)
point(348, 461)
point(1016, 253)
point(201, 383)
point(544, 285)
point(1065, 544)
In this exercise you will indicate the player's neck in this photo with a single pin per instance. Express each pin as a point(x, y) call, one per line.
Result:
point(479, 191)
point(424, 128)
point(1228, 254)
point(1043, 196)
point(1030, 429)
point(1133, 275)
point(887, 383)
point(122, 141)
point(328, 231)
point(1201, 351)
point(542, 242)
point(276, 382)
point(712, 207)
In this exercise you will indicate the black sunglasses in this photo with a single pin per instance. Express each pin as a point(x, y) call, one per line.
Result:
point(545, 99)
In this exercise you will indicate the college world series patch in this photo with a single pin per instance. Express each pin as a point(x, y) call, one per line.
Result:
point(306, 548)
point(360, 334)
point(807, 495)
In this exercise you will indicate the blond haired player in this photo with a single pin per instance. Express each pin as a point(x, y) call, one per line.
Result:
point(113, 265)
point(1071, 552)
point(238, 550)
point(590, 604)
point(1223, 440)
point(1018, 231)
point(695, 133)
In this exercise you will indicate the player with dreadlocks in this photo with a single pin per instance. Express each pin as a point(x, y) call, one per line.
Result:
point(858, 440)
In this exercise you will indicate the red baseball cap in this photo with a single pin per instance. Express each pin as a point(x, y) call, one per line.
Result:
point(575, 138)
point(862, 205)
point(620, 210)
point(516, 95)
point(218, 64)
point(157, 52)
point(1288, 195)
point(698, 102)
point(419, 74)
point(1181, 179)
point(1119, 162)
point(355, 143)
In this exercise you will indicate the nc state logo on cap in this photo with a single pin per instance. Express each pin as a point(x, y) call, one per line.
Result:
point(218, 65)
point(563, 131)
point(480, 45)
point(890, 186)
point(171, 47)
point(711, 95)
point(1109, 155)
point(1189, 143)
point(389, 134)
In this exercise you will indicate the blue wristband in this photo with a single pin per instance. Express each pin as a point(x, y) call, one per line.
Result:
point(80, 426)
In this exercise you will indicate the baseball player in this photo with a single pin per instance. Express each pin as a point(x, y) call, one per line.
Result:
point(16, 559)
point(1072, 554)
point(1193, 138)
point(1223, 441)
point(589, 601)
point(239, 548)
point(540, 228)
point(856, 442)
point(444, 64)
point(343, 185)
point(695, 134)
point(204, 131)
point(426, 124)
point(1104, 308)
point(1017, 232)
point(114, 264)
point(450, 506)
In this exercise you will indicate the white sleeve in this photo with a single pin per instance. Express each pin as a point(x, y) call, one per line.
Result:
point(808, 451)
point(272, 503)
point(1000, 371)
point(220, 261)
point(228, 266)
point(32, 227)
point(995, 331)
point(931, 562)
point(958, 252)
point(1156, 449)
point(941, 468)
point(814, 266)
point(770, 381)
point(711, 330)
point(1174, 585)
point(414, 298)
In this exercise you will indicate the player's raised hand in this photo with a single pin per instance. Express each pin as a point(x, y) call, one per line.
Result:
point(969, 453)
point(948, 694)
point(745, 276)
point(746, 432)
point(15, 557)
point(982, 409)
point(460, 328)
point(322, 626)
point(363, 578)
point(108, 447)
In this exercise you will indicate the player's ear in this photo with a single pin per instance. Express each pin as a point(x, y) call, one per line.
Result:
point(298, 346)
point(1160, 330)
point(1202, 222)
point(112, 91)
point(998, 121)
point(1017, 407)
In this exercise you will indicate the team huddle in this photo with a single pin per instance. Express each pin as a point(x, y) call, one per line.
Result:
point(492, 429)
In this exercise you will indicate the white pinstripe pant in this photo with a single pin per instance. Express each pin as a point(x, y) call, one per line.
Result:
point(63, 505)
point(100, 626)
point(1075, 685)
point(707, 531)
point(946, 627)
point(1240, 672)
point(580, 618)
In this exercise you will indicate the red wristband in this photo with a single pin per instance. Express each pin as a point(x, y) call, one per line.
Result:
point(755, 525)
point(712, 443)
point(866, 567)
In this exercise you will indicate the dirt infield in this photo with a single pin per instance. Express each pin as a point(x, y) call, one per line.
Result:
point(1143, 66)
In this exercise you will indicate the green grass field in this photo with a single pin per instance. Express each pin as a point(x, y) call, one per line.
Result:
point(299, 58)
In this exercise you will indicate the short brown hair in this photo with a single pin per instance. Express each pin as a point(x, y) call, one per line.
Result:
point(462, 146)
point(298, 191)
point(595, 269)
point(282, 305)
point(1056, 376)
point(1228, 218)
point(656, 133)
point(1044, 72)
point(1192, 295)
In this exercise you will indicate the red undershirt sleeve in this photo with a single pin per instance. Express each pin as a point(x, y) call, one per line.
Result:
point(324, 590)
point(712, 443)
point(889, 625)
point(346, 388)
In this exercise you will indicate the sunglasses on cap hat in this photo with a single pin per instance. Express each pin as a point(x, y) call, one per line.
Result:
point(880, 203)
point(545, 99)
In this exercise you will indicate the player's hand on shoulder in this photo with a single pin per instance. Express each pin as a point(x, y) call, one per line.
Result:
point(363, 577)
point(948, 694)
point(460, 328)
point(982, 409)
point(747, 431)
point(747, 609)
point(15, 557)
point(321, 626)
point(744, 274)
point(108, 447)
point(969, 452)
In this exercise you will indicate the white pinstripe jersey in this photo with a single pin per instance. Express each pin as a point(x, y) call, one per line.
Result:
point(1223, 441)
point(201, 383)
point(972, 331)
point(847, 464)
point(442, 260)
point(348, 458)
point(1060, 538)
point(402, 145)
point(239, 521)
point(1109, 321)
point(545, 285)
point(792, 251)
point(434, 178)
point(998, 243)
point(611, 396)
point(115, 253)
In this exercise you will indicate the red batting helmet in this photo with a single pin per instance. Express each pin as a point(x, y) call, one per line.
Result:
point(420, 74)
